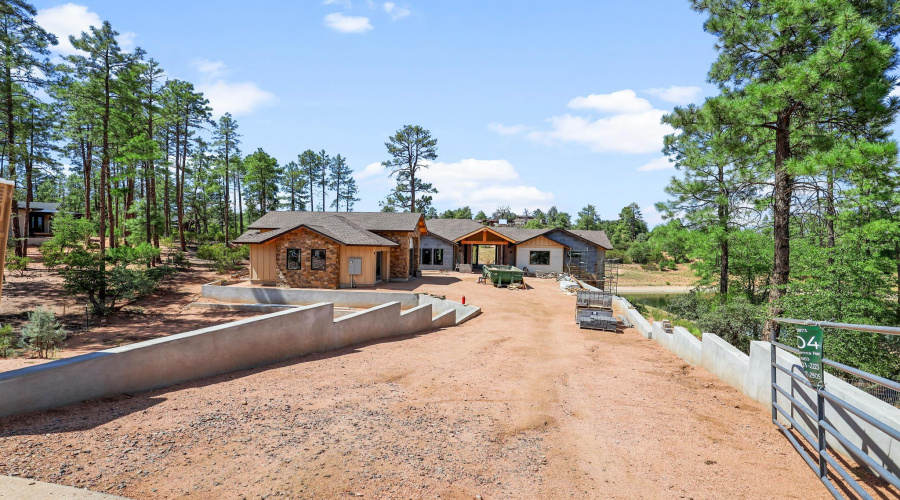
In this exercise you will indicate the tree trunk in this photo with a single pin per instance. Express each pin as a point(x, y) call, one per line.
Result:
point(10, 144)
point(830, 216)
point(227, 187)
point(781, 229)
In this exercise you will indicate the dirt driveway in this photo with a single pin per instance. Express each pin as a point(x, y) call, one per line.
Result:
point(517, 403)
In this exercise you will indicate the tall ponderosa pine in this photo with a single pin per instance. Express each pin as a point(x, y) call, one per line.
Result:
point(227, 141)
point(411, 148)
point(263, 176)
point(24, 66)
point(797, 77)
point(310, 169)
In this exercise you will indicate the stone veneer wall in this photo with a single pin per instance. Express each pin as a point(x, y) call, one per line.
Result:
point(400, 255)
point(305, 277)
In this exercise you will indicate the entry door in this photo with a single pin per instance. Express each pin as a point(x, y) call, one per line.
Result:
point(379, 257)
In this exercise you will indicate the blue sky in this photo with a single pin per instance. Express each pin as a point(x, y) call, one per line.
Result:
point(533, 103)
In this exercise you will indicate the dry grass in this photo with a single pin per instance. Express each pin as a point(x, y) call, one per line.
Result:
point(633, 275)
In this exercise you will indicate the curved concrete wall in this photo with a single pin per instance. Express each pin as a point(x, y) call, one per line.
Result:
point(206, 352)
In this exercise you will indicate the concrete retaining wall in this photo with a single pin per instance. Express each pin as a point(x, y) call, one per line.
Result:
point(340, 298)
point(752, 375)
point(206, 352)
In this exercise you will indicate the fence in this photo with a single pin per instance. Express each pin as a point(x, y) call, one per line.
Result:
point(822, 417)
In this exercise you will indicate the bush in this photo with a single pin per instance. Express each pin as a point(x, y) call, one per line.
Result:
point(53, 254)
point(42, 332)
point(223, 258)
point(639, 252)
point(737, 321)
point(179, 260)
point(17, 264)
point(8, 341)
point(86, 274)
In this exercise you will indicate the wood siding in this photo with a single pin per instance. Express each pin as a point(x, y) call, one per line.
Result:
point(523, 253)
point(262, 263)
point(367, 254)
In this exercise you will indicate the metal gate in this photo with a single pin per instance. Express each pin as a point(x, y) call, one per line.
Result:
point(823, 412)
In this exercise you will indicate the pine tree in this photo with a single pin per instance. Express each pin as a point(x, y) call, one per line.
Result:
point(309, 169)
point(227, 141)
point(411, 149)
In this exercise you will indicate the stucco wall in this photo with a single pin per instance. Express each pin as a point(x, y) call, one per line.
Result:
point(523, 252)
point(206, 352)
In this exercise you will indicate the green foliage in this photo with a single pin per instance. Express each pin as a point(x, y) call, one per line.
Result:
point(411, 149)
point(223, 258)
point(738, 321)
point(8, 341)
point(42, 332)
point(588, 218)
point(124, 276)
point(179, 260)
point(71, 232)
point(639, 252)
point(52, 254)
point(17, 264)
point(481, 215)
point(262, 178)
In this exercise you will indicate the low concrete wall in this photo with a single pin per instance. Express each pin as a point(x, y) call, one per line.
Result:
point(752, 375)
point(202, 353)
point(340, 298)
point(724, 360)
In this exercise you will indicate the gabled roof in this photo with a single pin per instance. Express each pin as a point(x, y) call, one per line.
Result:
point(370, 221)
point(598, 238)
point(38, 206)
point(452, 229)
point(347, 228)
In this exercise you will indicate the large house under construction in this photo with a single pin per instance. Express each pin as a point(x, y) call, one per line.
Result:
point(451, 242)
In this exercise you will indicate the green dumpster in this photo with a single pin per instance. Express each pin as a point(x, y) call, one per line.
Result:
point(502, 275)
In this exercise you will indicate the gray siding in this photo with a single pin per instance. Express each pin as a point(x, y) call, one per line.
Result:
point(434, 243)
point(594, 256)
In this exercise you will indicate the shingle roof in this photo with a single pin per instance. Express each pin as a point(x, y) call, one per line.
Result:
point(451, 229)
point(370, 221)
point(40, 206)
point(348, 228)
point(598, 238)
point(520, 234)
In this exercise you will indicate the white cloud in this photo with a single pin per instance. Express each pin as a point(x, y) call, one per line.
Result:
point(623, 101)
point(371, 170)
point(345, 3)
point(209, 68)
point(73, 19)
point(237, 98)
point(631, 124)
point(508, 129)
point(623, 133)
point(651, 216)
point(485, 184)
point(676, 94)
point(661, 163)
point(394, 11)
point(347, 24)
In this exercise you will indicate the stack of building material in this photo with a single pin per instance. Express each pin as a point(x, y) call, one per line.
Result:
point(593, 310)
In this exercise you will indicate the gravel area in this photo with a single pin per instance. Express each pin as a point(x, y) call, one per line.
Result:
point(516, 403)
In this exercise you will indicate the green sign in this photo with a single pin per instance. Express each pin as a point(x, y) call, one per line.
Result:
point(809, 341)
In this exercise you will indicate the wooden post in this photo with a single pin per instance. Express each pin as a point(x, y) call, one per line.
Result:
point(6, 197)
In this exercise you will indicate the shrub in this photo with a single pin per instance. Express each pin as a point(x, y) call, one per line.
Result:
point(738, 322)
point(639, 252)
point(17, 264)
point(53, 254)
point(42, 332)
point(179, 260)
point(104, 285)
point(8, 341)
point(223, 258)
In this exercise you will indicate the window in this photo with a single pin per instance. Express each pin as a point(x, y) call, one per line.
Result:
point(576, 257)
point(318, 259)
point(438, 257)
point(539, 258)
point(426, 256)
point(293, 258)
point(37, 224)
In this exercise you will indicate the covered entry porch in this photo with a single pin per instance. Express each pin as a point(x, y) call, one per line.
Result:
point(485, 246)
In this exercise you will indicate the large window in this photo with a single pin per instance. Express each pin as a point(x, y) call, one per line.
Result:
point(293, 258)
point(576, 257)
point(38, 224)
point(438, 257)
point(539, 258)
point(426, 256)
point(318, 259)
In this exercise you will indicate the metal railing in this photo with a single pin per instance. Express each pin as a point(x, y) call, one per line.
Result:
point(816, 414)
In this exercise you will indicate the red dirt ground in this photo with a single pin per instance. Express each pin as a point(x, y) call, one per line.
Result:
point(516, 403)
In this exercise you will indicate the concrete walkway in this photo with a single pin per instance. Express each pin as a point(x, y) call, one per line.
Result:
point(19, 488)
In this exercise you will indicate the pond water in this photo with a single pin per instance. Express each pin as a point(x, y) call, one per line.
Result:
point(658, 300)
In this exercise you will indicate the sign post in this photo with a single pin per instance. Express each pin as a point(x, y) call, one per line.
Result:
point(809, 341)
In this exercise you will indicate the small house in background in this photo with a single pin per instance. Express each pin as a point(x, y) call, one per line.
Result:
point(36, 222)
point(322, 249)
